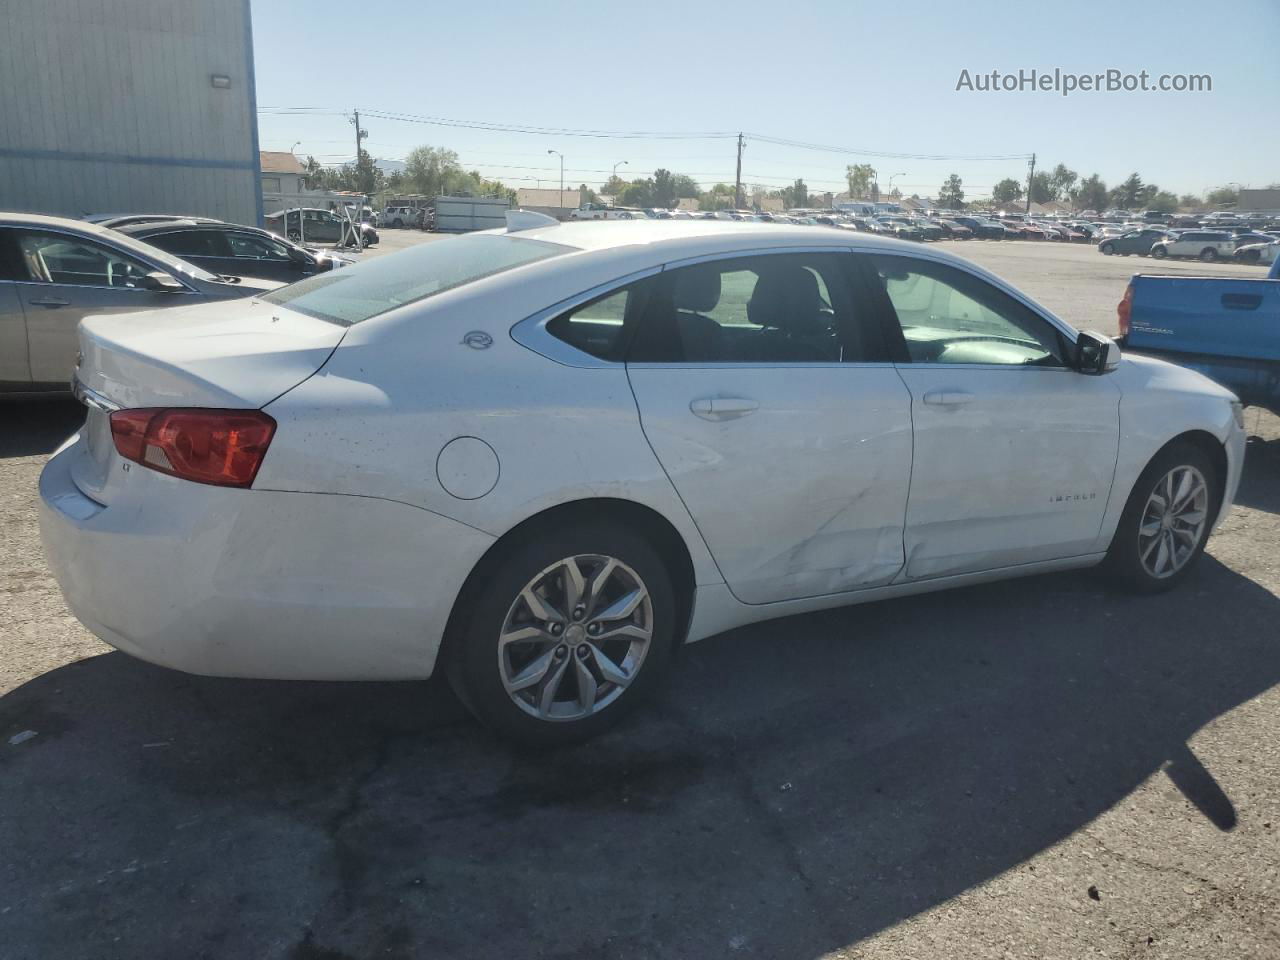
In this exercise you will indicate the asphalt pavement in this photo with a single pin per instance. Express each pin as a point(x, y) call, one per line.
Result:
point(1039, 768)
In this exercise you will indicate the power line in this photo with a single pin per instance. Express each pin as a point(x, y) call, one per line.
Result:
point(636, 134)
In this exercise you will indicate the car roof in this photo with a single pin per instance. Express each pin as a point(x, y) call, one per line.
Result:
point(172, 226)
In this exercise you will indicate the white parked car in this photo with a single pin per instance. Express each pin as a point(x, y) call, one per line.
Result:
point(1205, 244)
point(539, 459)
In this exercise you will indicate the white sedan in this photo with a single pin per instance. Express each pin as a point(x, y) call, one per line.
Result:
point(540, 458)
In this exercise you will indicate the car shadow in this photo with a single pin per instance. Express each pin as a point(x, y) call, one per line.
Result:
point(799, 786)
point(1260, 482)
point(29, 428)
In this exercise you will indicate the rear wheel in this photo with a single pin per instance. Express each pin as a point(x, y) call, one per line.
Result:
point(1159, 252)
point(1166, 520)
point(571, 631)
point(1208, 254)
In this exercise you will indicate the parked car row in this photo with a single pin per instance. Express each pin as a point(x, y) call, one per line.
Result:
point(1243, 245)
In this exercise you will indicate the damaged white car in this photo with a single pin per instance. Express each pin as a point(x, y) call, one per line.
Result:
point(541, 458)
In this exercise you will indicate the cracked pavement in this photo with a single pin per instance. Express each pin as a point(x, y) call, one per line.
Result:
point(943, 776)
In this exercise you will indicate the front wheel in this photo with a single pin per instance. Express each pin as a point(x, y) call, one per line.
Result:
point(1208, 254)
point(571, 631)
point(1107, 249)
point(1166, 520)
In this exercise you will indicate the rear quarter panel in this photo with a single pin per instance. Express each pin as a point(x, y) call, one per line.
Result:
point(374, 420)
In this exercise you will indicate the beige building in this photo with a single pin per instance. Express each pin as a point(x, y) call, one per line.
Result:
point(281, 172)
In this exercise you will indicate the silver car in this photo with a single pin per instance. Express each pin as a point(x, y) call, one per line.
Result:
point(54, 272)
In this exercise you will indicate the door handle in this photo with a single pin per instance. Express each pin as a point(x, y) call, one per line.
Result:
point(723, 408)
point(1241, 301)
point(50, 302)
point(947, 398)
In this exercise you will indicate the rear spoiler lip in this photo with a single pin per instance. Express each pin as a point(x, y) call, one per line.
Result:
point(91, 398)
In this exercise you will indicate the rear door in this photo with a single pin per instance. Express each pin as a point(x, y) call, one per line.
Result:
point(68, 277)
point(768, 396)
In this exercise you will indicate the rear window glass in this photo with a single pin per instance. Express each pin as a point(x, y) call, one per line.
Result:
point(365, 290)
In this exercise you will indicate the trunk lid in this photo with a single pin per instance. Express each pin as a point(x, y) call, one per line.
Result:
point(236, 354)
point(228, 354)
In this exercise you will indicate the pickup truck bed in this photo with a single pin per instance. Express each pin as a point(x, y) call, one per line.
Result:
point(1226, 328)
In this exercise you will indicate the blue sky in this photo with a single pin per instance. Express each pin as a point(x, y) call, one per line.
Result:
point(866, 76)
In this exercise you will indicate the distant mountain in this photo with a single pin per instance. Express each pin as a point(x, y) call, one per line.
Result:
point(390, 166)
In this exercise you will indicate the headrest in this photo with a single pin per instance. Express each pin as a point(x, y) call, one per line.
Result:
point(786, 297)
point(697, 289)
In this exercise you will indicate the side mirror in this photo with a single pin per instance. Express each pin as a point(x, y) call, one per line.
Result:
point(1096, 353)
point(160, 283)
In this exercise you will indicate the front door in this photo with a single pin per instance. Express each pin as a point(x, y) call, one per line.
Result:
point(765, 392)
point(1014, 451)
point(68, 277)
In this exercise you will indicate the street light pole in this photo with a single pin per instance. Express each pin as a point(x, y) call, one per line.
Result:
point(560, 203)
point(620, 163)
point(891, 176)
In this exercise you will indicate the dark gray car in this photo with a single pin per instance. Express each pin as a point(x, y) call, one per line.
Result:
point(54, 272)
point(1135, 241)
point(227, 248)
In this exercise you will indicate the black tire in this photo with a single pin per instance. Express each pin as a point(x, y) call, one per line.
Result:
point(1124, 561)
point(1159, 252)
point(1107, 249)
point(473, 664)
point(1208, 254)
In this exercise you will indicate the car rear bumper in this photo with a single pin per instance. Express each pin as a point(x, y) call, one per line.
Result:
point(252, 583)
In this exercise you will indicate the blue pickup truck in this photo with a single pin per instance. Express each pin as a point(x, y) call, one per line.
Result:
point(1224, 328)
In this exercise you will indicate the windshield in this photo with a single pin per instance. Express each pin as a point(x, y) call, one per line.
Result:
point(367, 289)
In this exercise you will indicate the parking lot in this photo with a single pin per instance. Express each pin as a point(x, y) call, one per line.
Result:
point(1038, 768)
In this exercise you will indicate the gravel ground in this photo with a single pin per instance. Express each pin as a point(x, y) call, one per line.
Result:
point(1040, 768)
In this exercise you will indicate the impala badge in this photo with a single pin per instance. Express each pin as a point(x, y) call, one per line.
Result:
point(478, 340)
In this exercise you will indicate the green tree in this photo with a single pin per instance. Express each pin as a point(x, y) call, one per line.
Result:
point(686, 186)
point(1041, 187)
point(1092, 193)
point(1129, 193)
point(432, 171)
point(950, 194)
point(1006, 191)
point(1161, 201)
point(719, 197)
point(796, 195)
point(664, 189)
point(588, 195)
point(1190, 200)
point(614, 186)
point(1063, 182)
point(860, 177)
point(1222, 197)
point(638, 193)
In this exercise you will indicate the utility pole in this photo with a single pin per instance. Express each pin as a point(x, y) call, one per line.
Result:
point(737, 180)
point(1031, 178)
point(360, 135)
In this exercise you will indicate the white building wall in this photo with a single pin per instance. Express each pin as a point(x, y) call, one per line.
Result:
point(108, 106)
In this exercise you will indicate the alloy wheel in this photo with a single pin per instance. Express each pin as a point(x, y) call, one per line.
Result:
point(1173, 521)
point(575, 637)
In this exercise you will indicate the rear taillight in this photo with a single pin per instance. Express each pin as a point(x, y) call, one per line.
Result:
point(1124, 308)
point(221, 447)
